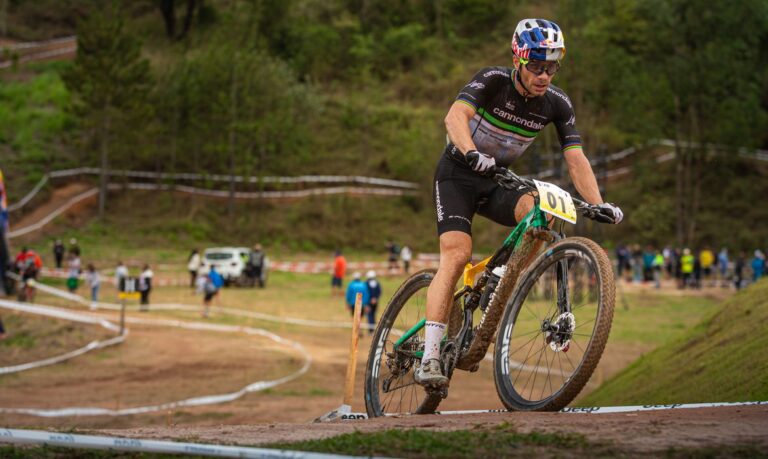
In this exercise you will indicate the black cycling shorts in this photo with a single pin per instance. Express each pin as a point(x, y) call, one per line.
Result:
point(459, 193)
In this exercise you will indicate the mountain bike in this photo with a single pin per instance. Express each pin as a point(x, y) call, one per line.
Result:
point(545, 299)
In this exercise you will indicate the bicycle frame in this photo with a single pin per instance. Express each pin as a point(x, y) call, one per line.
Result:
point(535, 218)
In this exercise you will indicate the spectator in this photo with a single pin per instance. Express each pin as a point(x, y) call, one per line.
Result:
point(687, 262)
point(669, 261)
point(374, 293)
point(393, 253)
point(696, 272)
point(121, 273)
point(722, 266)
point(193, 265)
point(622, 259)
point(758, 265)
point(94, 282)
point(58, 252)
point(218, 281)
point(707, 260)
point(73, 270)
point(210, 290)
point(256, 265)
point(406, 256)
point(658, 268)
point(637, 263)
point(145, 286)
point(738, 270)
point(355, 287)
point(678, 269)
point(74, 247)
point(648, 258)
point(339, 270)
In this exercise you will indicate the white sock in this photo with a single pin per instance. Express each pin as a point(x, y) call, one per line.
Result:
point(434, 334)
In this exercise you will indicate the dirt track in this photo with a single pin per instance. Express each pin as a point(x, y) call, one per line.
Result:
point(643, 432)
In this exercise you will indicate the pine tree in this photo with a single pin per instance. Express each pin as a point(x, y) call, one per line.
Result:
point(110, 82)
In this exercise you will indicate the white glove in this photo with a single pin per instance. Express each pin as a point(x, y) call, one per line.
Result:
point(480, 162)
point(613, 212)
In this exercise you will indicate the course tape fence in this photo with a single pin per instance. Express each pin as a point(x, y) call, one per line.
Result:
point(581, 410)
point(210, 193)
point(66, 315)
point(299, 180)
point(35, 51)
point(195, 401)
point(67, 440)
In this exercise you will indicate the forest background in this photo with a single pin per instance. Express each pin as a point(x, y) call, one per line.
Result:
point(360, 87)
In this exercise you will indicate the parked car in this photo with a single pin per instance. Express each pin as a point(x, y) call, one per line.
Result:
point(230, 262)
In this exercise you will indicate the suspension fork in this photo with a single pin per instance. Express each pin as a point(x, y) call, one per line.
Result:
point(563, 298)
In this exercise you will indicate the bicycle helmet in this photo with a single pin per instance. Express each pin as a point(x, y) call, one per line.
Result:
point(538, 39)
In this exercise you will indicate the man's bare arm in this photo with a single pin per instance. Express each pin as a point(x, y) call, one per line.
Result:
point(582, 175)
point(457, 125)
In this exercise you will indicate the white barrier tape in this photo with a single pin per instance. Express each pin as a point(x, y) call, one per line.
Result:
point(39, 44)
point(66, 440)
point(39, 56)
point(60, 314)
point(584, 410)
point(30, 195)
point(270, 194)
point(36, 226)
point(217, 178)
point(194, 401)
point(186, 307)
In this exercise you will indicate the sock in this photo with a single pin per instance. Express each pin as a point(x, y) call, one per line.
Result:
point(434, 334)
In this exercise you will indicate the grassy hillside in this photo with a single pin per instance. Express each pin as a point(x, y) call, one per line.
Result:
point(720, 360)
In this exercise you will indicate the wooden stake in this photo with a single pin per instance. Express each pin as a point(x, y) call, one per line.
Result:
point(349, 386)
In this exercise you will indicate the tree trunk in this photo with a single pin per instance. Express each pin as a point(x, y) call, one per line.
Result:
point(104, 177)
point(191, 7)
point(3, 18)
point(168, 10)
point(679, 174)
point(232, 137)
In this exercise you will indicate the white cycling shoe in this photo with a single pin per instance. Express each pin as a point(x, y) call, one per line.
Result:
point(430, 374)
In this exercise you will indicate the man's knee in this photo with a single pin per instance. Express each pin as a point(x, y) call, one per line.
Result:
point(455, 249)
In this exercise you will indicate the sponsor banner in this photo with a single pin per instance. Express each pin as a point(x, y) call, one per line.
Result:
point(68, 440)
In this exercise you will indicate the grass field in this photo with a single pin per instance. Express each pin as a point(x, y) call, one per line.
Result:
point(721, 359)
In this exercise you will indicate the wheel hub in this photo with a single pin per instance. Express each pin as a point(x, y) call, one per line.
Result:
point(558, 333)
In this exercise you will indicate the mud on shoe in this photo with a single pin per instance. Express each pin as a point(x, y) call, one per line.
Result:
point(430, 374)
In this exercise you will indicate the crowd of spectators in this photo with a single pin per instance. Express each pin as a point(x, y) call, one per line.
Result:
point(689, 268)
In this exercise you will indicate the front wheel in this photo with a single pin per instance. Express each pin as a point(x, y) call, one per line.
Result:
point(555, 327)
point(389, 384)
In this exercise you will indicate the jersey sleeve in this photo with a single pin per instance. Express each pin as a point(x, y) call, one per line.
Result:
point(482, 86)
point(565, 123)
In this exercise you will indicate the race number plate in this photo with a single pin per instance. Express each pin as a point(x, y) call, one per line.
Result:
point(556, 201)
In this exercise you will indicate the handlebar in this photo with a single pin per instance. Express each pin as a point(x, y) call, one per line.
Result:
point(509, 180)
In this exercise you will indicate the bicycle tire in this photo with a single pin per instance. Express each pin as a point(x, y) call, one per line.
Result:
point(575, 248)
point(414, 284)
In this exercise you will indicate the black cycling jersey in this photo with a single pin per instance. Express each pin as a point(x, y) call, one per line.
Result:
point(506, 123)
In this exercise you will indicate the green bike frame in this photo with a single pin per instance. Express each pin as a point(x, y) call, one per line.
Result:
point(535, 218)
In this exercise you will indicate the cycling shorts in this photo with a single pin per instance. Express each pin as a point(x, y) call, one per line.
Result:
point(459, 193)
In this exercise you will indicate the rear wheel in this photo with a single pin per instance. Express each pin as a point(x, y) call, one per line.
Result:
point(555, 328)
point(389, 384)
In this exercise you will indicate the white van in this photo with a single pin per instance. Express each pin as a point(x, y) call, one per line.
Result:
point(230, 262)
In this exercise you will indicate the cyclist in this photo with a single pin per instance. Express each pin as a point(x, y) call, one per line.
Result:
point(495, 117)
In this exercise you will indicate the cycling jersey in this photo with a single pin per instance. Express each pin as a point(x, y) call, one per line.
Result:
point(506, 123)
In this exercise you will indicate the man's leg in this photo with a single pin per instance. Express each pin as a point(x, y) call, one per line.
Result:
point(455, 252)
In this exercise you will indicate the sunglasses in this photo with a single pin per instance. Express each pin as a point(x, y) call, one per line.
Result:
point(539, 67)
